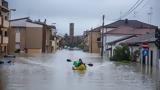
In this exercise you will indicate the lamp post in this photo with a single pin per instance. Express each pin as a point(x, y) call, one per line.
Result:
point(9, 30)
point(102, 32)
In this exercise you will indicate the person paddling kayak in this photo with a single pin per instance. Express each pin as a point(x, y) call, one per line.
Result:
point(79, 65)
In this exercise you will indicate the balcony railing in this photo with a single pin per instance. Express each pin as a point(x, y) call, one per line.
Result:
point(5, 3)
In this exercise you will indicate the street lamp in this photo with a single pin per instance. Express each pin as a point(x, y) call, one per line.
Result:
point(9, 29)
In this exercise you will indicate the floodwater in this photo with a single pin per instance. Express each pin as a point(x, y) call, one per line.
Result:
point(53, 72)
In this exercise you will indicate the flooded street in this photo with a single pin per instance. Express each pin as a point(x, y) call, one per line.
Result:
point(53, 72)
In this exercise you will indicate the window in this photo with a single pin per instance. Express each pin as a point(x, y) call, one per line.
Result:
point(6, 17)
point(5, 33)
point(98, 39)
point(0, 32)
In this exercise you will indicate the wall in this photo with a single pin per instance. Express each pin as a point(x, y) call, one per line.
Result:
point(34, 51)
point(92, 38)
point(33, 37)
point(155, 50)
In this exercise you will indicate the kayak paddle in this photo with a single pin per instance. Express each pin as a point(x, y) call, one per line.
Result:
point(90, 64)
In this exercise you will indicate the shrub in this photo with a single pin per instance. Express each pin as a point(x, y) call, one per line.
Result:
point(121, 53)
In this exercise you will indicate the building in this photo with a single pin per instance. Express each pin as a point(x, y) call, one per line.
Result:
point(136, 47)
point(4, 27)
point(91, 41)
point(48, 34)
point(30, 36)
point(71, 33)
point(114, 33)
point(122, 30)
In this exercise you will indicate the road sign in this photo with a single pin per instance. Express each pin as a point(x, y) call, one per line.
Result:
point(145, 52)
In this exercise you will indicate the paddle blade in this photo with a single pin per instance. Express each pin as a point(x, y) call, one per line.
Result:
point(90, 64)
point(68, 60)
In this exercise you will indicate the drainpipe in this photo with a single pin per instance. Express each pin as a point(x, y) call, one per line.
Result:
point(91, 41)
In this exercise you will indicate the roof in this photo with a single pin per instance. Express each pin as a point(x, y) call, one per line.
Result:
point(131, 23)
point(126, 30)
point(142, 38)
point(121, 39)
point(27, 18)
point(126, 22)
point(97, 29)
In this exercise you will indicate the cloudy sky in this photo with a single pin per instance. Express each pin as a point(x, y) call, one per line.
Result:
point(85, 14)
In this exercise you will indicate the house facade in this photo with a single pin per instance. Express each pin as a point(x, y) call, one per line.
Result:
point(30, 36)
point(4, 27)
point(137, 44)
point(122, 30)
point(91, 41)
point(26, 36)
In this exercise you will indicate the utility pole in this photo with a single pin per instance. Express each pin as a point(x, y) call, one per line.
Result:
point(102, 46)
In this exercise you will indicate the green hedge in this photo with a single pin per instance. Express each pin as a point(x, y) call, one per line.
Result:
point(121, 53)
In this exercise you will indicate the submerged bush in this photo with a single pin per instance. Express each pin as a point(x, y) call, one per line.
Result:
point(121, 53)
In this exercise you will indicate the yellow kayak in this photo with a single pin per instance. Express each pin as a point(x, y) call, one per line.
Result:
point(81, 67)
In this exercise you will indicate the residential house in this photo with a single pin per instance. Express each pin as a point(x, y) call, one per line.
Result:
point(26, 36)
point(122, 30)
point(30, 36)
point(136, 44)
point(91, 39)
point(4, 27)
point(85, 41)
point(53, 38)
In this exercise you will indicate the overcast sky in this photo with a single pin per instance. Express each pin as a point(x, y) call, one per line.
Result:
point(85, 14)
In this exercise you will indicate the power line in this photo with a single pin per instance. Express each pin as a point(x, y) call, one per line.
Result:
point(135, 6)
point(132, 7)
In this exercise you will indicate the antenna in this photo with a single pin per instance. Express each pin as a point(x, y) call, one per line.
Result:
point(134, 14)
point(120, 15)
point(150, 15)
point(28, 13)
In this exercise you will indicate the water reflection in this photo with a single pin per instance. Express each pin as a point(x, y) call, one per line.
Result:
point(52, 72)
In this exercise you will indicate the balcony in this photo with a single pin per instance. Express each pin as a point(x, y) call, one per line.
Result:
point(4, 6)
point(5, 40)
point(6, 23)
point(5, 3)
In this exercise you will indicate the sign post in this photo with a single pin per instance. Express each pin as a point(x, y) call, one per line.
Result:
point(145, 53)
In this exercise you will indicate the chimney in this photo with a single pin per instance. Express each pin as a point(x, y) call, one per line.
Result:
point(39, 20)
point(126, 21)
point(45, 21)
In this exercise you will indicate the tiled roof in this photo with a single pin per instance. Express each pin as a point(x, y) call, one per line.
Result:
point(131, 23)
point(97, 29)
point(142, 38)
point(27, 18)
point(121, 39)
point(126, 30)
point(126, 22)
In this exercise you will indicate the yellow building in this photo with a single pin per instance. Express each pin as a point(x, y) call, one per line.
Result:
point(91, 40)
